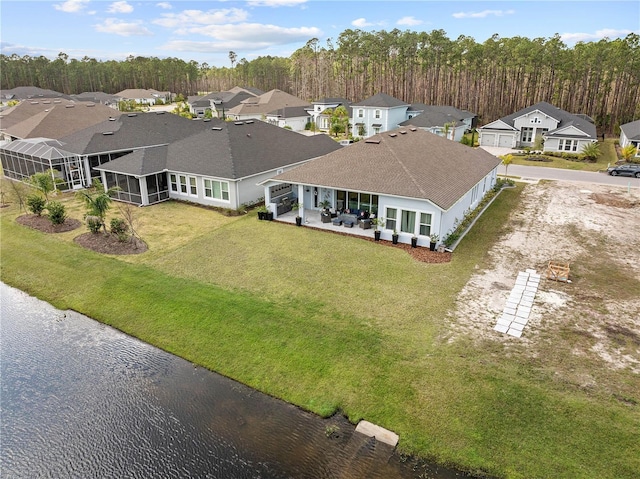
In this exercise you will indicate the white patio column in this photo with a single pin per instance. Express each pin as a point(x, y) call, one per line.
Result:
point(301, 199)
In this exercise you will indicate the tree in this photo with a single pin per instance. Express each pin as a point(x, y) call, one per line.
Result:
point(44, 182)
point(591, 151)
point(628, 152)
point(506, 161)
point(97, 201)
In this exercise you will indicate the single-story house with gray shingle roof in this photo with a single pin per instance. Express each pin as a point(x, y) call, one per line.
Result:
point(258, 107)
point(630, 135)
point(420, 183)
point(30, 93)
point(152, 157)
point(561, 131)
point(445, 121)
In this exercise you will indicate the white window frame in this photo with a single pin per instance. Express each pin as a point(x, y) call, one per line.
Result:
point(184, 186)
point(360, 113)
point(568, 145)
point(223, 192)
point(527, 134)
point(173, 182)
point(536, 120)
point(390, 220)
point(377, 114)
point(426, 225)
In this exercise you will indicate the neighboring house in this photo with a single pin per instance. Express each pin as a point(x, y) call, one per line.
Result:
point(560, 130)
point(377, 114)
point(144, 97)
point(319, 111)
point(51, 118)
point(97, 97)
point(258, 107)
point(220, 102)
point(445, 121)
point(630, 135)
point(420, 183)
point(153, 157)
point(295, 118)
point(30, 92)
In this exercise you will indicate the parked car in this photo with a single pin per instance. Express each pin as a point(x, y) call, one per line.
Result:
point(630, 169)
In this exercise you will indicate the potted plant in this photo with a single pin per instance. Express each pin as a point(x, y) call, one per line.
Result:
point(433, 241)
point(414, 241)
point(325, 205)
point(262, 212)
point(394, 237)
point(297, 206)
point(378, 224)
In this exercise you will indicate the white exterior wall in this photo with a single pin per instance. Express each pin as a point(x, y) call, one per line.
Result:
point(552, 144)
point(528, 121)
point(498, 138)
point(390, 118)
point(409, 204)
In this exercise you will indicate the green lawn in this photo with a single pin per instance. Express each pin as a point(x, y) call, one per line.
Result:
point(334, 323)
point(608, 156)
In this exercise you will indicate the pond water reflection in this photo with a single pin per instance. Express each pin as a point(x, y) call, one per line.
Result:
point(80, 399)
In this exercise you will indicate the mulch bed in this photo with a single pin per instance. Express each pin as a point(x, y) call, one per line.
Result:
point(105, 243)
point(108, 243)
point(42, 223)
point(420, 253)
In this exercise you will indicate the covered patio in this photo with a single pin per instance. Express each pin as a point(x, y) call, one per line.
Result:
point(311, 219)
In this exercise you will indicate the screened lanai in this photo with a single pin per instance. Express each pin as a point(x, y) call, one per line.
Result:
point(23, 158)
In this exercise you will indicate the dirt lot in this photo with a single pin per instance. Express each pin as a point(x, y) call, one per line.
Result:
point(595, 317)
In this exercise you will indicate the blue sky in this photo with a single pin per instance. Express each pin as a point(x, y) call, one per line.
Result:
point(205, 31)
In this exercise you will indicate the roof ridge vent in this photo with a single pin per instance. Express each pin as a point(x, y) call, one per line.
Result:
point(206, 120)
point(376, 142)
point(112, 118)
point(216, 128)
point(105, 133)
point(132, 114)
point(248, 122)
point(393, 135)
point(69, 106)
point(89, 105)
point(160, 112)
point(403, 132)
point(413, 128)
point(238, 122)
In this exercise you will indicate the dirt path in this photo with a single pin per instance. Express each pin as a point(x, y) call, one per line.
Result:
point(597, 316)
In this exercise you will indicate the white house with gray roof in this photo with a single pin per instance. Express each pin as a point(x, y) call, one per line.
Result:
point(560, 130)
point(630, 135)
point(420, 183)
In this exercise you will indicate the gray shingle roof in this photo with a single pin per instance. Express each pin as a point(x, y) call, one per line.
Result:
point(414, 164)
point(291, 111)
point(631, 130)
point(31, 92)
point(216, 148)
point(565, 118)
point(381, 100)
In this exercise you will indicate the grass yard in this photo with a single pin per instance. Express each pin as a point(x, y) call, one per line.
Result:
point(608, 156)
point(334, 323)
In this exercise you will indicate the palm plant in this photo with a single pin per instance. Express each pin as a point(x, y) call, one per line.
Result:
point(591, 151)
point(97, 201)
point(506, 161)
point(628, 152)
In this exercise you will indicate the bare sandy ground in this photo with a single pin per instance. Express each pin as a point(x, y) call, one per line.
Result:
point(576, 223)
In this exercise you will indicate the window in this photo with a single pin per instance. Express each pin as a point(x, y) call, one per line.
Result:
point(568, 145)
point(527, 135)
point(376, 130)
point(217, 190)
point(173, 179)
point(193, 189)
point(474, 194)
point(408, 224)
point(425, 224)
point(360, 113)
point(183, 184)
point(392, 215)
point(377, 114)
point(535, 120)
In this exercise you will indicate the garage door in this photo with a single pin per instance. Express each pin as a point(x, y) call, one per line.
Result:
point(488, 139)
point(505, 141)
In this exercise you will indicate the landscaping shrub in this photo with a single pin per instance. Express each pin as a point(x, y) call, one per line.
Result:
point(119, 228)
point(36, 204)
point(94, 224)
point(57, 212)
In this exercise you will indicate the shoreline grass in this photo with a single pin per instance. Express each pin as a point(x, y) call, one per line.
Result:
point(332, 323)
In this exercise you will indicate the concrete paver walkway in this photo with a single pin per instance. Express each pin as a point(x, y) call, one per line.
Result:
point(516, 312)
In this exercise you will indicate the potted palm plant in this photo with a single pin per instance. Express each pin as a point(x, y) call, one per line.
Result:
point(297, 206)
point(378, 224)
point(433, 241)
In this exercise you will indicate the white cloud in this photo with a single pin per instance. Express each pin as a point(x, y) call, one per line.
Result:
point(164, 5)
point(598, 35)
point(410, 21)
point(71, 6)
point(484, 14)
point(120, 7)
point(276, 3)
point(125, 29)
point(188, 18)
point(361, 22)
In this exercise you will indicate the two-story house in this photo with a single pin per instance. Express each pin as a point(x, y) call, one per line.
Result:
point(377, 114)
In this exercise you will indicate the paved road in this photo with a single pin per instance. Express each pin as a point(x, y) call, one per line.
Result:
point(539, 173)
